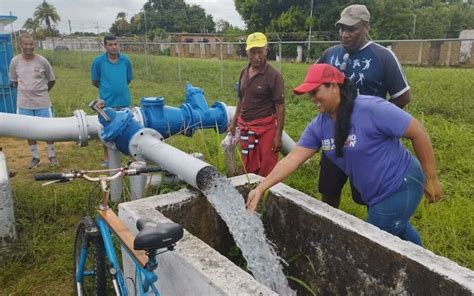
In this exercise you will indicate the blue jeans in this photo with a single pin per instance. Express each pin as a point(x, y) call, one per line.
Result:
point(43, 112)
point(393, 213)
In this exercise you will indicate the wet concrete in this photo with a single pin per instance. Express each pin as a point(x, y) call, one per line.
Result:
point(194, 268)
point(328, 250)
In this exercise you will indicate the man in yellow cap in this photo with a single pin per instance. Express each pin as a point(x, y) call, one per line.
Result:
point(260, 110)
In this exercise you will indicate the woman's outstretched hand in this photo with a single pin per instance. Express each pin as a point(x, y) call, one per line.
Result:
point(433, 190)
point(253, 198)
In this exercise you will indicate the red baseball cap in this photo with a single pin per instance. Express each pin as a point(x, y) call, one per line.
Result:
point(317, 75)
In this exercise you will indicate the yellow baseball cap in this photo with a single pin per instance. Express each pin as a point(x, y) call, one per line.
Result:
point(256, 39)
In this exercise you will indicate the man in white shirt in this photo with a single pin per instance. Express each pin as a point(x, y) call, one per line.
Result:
point(33, 76)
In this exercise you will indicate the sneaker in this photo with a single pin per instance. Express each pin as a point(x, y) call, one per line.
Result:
point(105, 163)
point(53, 161)
point(35, 162)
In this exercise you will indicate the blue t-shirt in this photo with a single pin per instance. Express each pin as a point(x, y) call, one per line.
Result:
point(113, 79)
point(374, 69)
point(374, 157)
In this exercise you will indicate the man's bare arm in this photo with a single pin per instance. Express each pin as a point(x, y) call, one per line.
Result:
point(51, 84)
point(402, 100)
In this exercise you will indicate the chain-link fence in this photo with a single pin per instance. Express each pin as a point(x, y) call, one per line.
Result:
point(434, 53)
point(434, 68)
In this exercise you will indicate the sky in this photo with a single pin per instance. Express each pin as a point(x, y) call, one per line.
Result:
point(98, 15)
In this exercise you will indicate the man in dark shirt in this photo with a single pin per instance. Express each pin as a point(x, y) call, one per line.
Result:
point(260, 110)
point(373, 69)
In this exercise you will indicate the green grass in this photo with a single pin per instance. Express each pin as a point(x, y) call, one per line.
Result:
point(41, 262)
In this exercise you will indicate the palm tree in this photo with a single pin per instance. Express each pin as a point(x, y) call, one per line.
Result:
point(46, 13)
point(31, 25)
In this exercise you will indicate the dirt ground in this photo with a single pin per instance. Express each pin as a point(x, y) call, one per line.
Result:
point(18, 155)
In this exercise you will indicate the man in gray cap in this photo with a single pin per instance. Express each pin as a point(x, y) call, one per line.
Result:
point(375, 71)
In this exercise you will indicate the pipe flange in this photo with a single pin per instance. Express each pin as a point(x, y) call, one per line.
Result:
point(83, 135)
point(136, 139)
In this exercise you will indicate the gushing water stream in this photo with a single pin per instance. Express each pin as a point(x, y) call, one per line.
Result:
point(246, 228)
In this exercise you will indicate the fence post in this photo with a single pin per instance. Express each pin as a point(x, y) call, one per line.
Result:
point(279, 54)
point(82, 54)
point(420, 53)
point(146, 57)
point(179, 63)
point(222, 69)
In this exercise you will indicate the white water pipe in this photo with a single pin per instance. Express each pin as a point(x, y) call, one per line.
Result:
point(79, 128)
point(147, 145)
point(287, 142)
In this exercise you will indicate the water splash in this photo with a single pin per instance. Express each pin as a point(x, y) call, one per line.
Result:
point(246, 228)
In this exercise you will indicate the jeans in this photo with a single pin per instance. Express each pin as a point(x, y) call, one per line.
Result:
point(393, 213)
point(42, 112)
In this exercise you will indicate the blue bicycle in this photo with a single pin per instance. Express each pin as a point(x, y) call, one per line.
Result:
point(95, 255)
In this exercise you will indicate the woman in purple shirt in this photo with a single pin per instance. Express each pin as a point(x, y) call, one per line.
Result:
point(361, 135)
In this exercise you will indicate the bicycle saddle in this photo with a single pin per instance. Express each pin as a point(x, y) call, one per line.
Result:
point(153, 235)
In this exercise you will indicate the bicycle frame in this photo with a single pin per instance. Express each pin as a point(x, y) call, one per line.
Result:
point(107, 224)
point(145, 277)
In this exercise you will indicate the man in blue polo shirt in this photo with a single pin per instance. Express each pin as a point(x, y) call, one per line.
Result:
point(111, 72)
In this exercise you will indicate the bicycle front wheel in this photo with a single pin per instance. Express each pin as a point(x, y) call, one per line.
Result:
point(89, 259)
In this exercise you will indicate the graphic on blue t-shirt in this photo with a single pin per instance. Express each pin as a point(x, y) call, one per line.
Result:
point(329, 144)
point(373, 69)
point(357, 69)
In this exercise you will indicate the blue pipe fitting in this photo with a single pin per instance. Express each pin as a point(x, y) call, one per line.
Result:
point(168, 121)
point(164, 119)
point(193, 114)
point(119, 129)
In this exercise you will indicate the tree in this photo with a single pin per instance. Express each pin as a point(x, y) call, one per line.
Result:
point(390, 19)
point(121, 26)
point(31, 26)
point(47, 13)
point(292, 20)
point(173, 16)
point(431, 22)
point(224, 27)
point(263, 15)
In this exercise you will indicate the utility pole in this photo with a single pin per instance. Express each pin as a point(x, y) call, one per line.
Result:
point(70, 30)
point(414, 26)
point(310, 23)
point(146, 44)
point(15, 39)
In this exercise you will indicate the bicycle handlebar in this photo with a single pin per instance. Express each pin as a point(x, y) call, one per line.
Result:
point(122, 171)
point(50, 177)
point(147, 170)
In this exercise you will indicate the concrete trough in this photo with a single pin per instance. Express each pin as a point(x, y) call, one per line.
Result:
point(7, 215)
point(330, 251)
